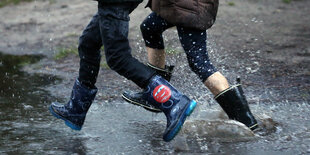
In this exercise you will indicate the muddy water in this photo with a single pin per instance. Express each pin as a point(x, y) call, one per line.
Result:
point(23, 102)
point(120, 128)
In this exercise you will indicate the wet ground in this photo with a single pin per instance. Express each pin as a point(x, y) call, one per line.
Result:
point(264, 42)
point(114, 127)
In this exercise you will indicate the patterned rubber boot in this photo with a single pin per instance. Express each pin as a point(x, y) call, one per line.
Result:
point(74, 112)
point(136, 97)
point(176, 106)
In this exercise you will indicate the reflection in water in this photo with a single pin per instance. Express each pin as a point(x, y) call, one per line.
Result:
point(24, 119)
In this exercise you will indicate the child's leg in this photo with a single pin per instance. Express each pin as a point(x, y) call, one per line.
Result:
point(216, 83)
point(195, 46)
point(152, 28)
point(231, 99)
point(156, 57)
point(159, 93)
point(84, 90)
point(89, 52)
point(114, 23)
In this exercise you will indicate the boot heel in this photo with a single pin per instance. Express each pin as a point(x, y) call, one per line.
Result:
point(178, 127)
point(191, 107)
point(234, 103)
point(53, 113)
point(69, 124)
point(72, 126)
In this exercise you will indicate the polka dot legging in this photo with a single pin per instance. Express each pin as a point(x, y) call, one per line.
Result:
point(193, 42)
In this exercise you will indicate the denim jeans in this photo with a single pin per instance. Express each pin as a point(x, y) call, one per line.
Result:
point(193, 42)
point(109, 28)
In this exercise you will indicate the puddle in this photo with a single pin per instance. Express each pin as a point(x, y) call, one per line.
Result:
point(23, 103)
point(120, 128)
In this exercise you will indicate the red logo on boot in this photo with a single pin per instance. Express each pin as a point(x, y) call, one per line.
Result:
point(162, 93)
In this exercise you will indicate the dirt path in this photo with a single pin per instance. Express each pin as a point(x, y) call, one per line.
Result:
point(266, 42)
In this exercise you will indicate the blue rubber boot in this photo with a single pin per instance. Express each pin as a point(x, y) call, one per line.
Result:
point(74, 112)
point(176, 106)
point(135, 98)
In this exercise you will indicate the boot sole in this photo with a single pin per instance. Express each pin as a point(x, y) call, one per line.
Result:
point(141, 105)
point(253, 127)
point(67, 122)
point(177, 128)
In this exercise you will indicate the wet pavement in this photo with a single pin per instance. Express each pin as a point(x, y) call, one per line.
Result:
point(26, 126)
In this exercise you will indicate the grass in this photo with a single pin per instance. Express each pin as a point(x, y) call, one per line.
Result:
point(28, 59)
point(64, 52)
point(52, 1)
point(231, 4)
point(172, 51)
point(8, 2)
point(287, 1)
point(73, 50)
point(103, 63)
point(74, 35)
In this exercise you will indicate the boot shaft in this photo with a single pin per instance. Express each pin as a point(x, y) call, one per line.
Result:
point(161, 94)
point(166, 73)
point(81, 97)
point(176, 106)
point(137, 98)
point(74, 112)
point(234, 103)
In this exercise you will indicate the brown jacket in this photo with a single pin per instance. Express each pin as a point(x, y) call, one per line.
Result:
point(199, 14)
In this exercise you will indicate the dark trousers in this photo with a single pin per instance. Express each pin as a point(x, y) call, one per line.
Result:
point(109, 27)
point(194, 43)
